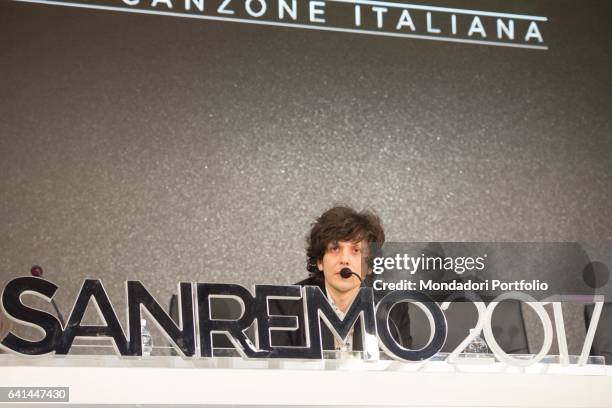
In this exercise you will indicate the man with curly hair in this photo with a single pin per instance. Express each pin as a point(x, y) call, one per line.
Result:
point(342, 238)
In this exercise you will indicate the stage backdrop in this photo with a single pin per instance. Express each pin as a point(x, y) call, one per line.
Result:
point(163, 148)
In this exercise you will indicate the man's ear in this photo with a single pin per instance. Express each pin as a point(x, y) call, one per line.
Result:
point(320, 265)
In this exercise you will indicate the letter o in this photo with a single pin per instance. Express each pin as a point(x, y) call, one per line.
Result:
point(437, 324)
point(541, 312)
point(252, 12)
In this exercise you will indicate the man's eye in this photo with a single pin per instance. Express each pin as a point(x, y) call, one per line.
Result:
point(334, 249)
point(356, 250)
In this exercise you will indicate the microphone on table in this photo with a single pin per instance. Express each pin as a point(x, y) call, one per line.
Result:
point(37, 271)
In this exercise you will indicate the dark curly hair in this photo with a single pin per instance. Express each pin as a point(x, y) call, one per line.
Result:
point(342, 223)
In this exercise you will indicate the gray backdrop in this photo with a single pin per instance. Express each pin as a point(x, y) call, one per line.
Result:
point(165, 149)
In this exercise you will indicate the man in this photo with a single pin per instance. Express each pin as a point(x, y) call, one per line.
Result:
point(341, 238)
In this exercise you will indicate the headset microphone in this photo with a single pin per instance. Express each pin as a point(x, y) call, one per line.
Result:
point(347, 273)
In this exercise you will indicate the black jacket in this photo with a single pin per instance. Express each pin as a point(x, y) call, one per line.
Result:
point(399, 322)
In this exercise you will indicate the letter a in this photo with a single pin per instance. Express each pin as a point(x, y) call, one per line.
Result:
point(405, 20)
point(477, 27)
point(533, 32)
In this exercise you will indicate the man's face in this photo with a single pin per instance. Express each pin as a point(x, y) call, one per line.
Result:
point(339, 255)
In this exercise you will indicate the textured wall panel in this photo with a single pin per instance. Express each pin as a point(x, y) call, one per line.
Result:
point(165, 149)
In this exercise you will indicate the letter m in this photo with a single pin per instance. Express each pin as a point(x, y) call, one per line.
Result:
point(362, 307)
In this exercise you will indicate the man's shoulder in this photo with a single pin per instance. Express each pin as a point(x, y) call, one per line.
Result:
point(294, 307)
point(311, 281)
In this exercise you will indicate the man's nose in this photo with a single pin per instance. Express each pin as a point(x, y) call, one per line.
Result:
point(344, 256)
